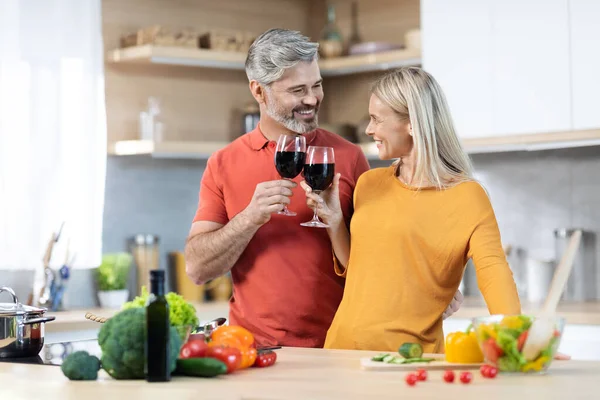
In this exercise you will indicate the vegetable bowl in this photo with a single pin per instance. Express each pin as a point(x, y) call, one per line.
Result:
point(503, 337)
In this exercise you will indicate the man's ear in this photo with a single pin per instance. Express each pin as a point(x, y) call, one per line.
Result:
point(258, 92)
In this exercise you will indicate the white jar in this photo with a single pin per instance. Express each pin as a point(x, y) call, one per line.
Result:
point(540, 271)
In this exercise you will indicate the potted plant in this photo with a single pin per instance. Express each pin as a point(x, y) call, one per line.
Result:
point(112, 276)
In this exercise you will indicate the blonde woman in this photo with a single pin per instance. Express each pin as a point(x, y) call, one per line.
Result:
point(415, 225)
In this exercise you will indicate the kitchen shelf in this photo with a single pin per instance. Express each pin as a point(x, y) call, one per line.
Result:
point(192, 57)
point(187, 149)
point(531, 142)
point(369, 62)
point(170, 149)
point(149, 54)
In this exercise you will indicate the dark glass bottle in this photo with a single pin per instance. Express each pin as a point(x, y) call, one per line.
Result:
point(157, 344)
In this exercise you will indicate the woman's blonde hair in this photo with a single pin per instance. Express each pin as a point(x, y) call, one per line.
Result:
point(416, 96)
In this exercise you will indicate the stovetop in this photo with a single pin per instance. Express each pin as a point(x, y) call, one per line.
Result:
point(55, 353)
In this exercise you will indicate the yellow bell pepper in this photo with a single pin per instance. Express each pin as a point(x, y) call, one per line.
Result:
point(485, 332)
point(512, 322)
point(463, 348)
point(536, 365)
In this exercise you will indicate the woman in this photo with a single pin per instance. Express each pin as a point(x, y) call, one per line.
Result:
point(415, 225)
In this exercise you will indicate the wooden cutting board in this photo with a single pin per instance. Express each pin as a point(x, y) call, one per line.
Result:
point(439, 363)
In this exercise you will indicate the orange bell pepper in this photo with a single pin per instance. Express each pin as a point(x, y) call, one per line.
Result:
point(238, 338)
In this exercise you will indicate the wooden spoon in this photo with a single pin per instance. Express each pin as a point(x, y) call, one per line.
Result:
point(542, 329)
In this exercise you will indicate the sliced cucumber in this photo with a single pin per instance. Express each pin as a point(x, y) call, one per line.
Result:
point(411, 350)
point(388, 358)
point(417, 360)
point(379, 357)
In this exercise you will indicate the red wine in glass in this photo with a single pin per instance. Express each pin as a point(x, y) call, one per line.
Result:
point(290, 156)
point(319, 171)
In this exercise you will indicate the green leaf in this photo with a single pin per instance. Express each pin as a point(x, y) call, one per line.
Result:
point(550, 349)
point(509, 364)
point(509, 345)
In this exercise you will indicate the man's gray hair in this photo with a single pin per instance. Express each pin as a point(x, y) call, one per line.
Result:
point(276, 50)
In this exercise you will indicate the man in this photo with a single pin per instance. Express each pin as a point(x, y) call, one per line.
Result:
point(285, 289)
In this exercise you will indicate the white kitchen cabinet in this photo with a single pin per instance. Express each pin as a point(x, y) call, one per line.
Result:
point(585, 62)
point(456, 36)
point(504, 64)
point(530, 65)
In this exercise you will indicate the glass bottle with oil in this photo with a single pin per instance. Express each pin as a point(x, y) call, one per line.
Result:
point(156, 367)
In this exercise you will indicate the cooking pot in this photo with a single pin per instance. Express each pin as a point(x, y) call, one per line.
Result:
point(21, 328)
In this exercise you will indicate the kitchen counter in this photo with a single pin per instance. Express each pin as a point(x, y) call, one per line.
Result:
point(580, 313)
point(74, 320)
point(575, 313)
point(305, 374)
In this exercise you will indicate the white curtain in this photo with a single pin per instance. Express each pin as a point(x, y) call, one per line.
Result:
point(52, 131)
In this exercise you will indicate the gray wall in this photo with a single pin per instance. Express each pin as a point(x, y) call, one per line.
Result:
point(532, 193)
point(535, 193)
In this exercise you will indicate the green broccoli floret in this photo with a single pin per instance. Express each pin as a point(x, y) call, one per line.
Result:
point(122, 340)
point(81, 366)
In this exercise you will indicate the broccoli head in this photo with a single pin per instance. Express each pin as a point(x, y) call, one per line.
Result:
point(81, 366)
point(122, 340)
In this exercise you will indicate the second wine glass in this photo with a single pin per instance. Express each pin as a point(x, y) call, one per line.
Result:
point(290, 156)
point(319, 171)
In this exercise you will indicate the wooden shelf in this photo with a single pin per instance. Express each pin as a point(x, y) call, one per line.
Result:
point(186, 149)
point(182, 149)
point(231, 60)
point(532, 142)
point(178, 56)
point(369, 62)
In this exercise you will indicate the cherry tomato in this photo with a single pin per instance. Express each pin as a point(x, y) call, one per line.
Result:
point(449, 376)
point(488, 371)
point(230, 356)
point(491, 351)
point(556, 333)
point(421, 375)
point(484, 370)
point(411, 379)
point(521, 341)
point(193, 349)
point(265, 359)
point(244, 336)
point(466, 377)
point(248, 357)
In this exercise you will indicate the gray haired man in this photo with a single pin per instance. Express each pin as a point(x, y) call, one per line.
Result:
point(285, 289)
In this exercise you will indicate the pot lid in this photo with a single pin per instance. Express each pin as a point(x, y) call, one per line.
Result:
point(16, 308)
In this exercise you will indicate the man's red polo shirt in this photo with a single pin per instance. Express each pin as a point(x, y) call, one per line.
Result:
point(285, 289)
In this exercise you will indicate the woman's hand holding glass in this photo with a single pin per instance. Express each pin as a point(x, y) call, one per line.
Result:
point(327, 203)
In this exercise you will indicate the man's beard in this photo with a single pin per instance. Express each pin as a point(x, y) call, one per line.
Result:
point(280, 115)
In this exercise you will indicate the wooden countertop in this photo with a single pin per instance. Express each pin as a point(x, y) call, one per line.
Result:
point(575, 313)
point(305, 374)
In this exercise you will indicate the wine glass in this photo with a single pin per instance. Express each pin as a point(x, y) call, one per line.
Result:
point(289, 160)
point(318, 174)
